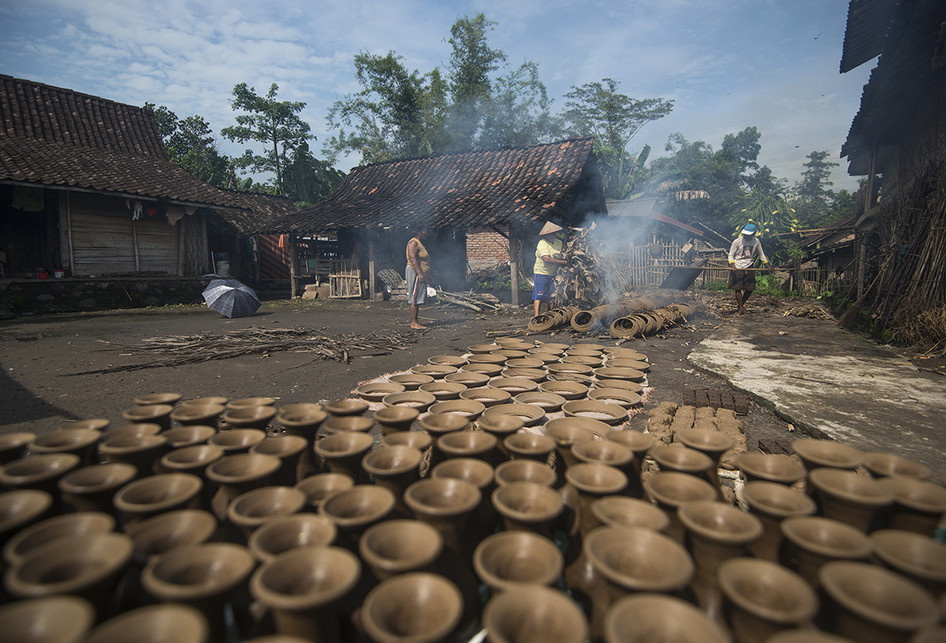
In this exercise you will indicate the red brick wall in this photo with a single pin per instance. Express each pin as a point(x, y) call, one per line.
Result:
point(486, 248)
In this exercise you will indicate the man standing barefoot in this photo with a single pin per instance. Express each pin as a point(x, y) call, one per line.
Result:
point(742, 253)
point(417, 274)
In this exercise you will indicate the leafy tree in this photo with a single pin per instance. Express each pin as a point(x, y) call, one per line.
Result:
point(598, 109)
point(814, 198)
point(191, 144)
point(274, 123)
point(309, 180)
point(517, 114)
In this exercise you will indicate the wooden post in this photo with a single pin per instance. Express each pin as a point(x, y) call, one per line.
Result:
point(513, 266)
point(372, 253)
point(293, 268)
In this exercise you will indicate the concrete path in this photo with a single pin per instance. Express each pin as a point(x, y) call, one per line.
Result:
point(832, 383)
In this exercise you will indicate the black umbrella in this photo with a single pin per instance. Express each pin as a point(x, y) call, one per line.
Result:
point(231, 298)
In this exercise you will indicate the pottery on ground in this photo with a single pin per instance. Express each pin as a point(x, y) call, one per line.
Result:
point(152, 413)
point(157, 494)
point(642, 618)
point(54, 619)
point(417, 607)
point(20, 508)
point(81, 442)
point(40, 472)
point(447, 505)
point(142, 452)
point(354, 510)
point(918, 557)
point(811, 541)
point(849, 497)
point(593, 481)
point(620, 511)
point(880, 465)
point(158, 398)
point(164, 532)
point(918, 505)
point(185, 436)
point(772, 503)
point(392, 419)
point(394, 467)
point(198, 414)
point(477, 472)
point(397, 547)
point(253, 508)
point(826, 453)
point(771, 467)
point(469, 444)
point(237, 474)
point(322, 485)
point(686, 460)
point(13, 446)
point(52, 529)
point(346, 407)
point(289, 449)
point(343, 452)
point(532, 614)
point(525, 471)
point(154, 623)
point(342, 423)
point(249, 417)
point(293, 531)
point(529, 446)
point(510, 558)
point(670, 489)
point(529, 506)
point(93, 488)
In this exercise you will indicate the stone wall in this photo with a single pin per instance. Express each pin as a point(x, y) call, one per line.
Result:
point(33, 296)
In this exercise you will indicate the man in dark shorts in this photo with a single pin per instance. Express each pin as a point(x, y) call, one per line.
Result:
point(742, 254)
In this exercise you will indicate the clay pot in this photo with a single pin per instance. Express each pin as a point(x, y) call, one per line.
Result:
point(158, 398)
point(398, 547)
point(686, 460)
point(874, 605)
point(52, 529)
point(54, 619)
point(476, 472)
point(510, 558)
point(919, 558)
point(81, 442)
point(201, 401)
point(826, 453)
point(670, 489)
point(342, 423)
point(394, 467)
point(604, 452)
point(880, 465)
point(417, 439)
point(303, 589)
point(340, 408)
point(525, 471)
point(711, 443)
point(565, 432)
point(772, 503)
point(500, 426)
point(141, 452)
point(133, 431)
point(392, 419)
point(439, 424)
point(807, 635)
point(199, 414)
point(249, 417)
point(593, 481)
point(918, 505)
point(343, 452)
point(642, 618)
point(96, 424)
point(293, 531)
point(157, 494)
point(849, 497)
point(528, 506)
point(354, 510)
point(250, 401)
point(164, 532)
point(237, 474)
point(447, 505)
point(86, 565)
point(162, 623)
point(532, 614)
point(251, 509)
point(203, 576)
point(762, 598)
point(93, 488)
point(153, 414)
point(639, 444)
point(304, 420)
point(237, 441)
point(716, 532)
point(619, 511)
point(185, 436)
point(811, 542)
point(320, 486)
point(417, 607)
point(21, 508)
point(194, 460)
point(13, 446)
point(40, 472)
point(781, 469)
point(469, 444)
point(633, 559)
point(529, 446)
point(288, 448)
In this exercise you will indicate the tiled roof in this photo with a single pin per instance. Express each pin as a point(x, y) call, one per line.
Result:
point(867, 25)
point(474, 189)
point(261, 211)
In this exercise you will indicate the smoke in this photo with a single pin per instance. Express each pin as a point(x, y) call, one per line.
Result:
point(611, 239)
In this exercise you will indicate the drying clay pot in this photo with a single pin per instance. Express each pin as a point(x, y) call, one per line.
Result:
point(880, 465)
point(341, 423)
point(53, 529)
point(237, 474)
point(826, 453)
point(13, 446)
point(185, 436)
point(469, 444)
point(142, 452)
point(772, 503)
point(346, 407)
point(289, 449)
point(529, 506)
point(919, 558)
point(618, 511)
point(158, 398)
point(394, 467)
point(163, 624)
point(253, 508)
point(918, 505)
point(810, 542)
point(669, 490)
point(529, 446)
point(593, 481)
point(534, 613)
point(81, 442)
point(293, 531)
point(157, 494)
point(778, 468)
point(93, 488)
point(54, 619)
point(525, 471)
point(343, 452)
point(849, 497)
point(320, 486)
point(510, 558)
point(447, 505)
point(40, 472)
point(392, 419)
point(167, 531)
point(399, 546)
point(417, 607)
point(237, 441)
point(643, 618)
point(249, 417)
point(21, 508)
point(198, 414)
point(354, 510)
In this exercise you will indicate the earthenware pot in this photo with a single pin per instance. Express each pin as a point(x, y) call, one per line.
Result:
point(201, 401)
point(417, 607)
point(200, 414)
point(342, 423)
point(354, 510)
point(670, 489)
point(880, 465)
point(469, 444)
point(343, 452)
point(441, 423)
point(529, 446)
point(392, 419)
point(86, 565)
point(206, 576)
point(288, 448)
point(133, 431)
point(93, 488)
point(81, 442)
point(534, 613)
point(807, 635)
point(194, 460)
point(849, 497)
point(158, 398)
point(525, 471)
point(396, 468)
point(761, 598)
point(565, 432)
point(770, 467)
point(919, 558)
point(163, 624)
point(500, 427)
point(397, 547)
point(13, 446)
point(152, 414)
point(52, 529)
point(54, 619)
point(253, 508)
point(713, 444)
point(21, 508)
point(918, 505)
point(237, 441)
point(249, 417)
point(620, 511)
point(322, 485)
point(293, 531)
point(642, 618)
point(164, 532)
point(236, 474)
point(639, 444)
point(303, 589)
point(481, 475)
point(447, 505)
point(593, 481)
point(772, 503)
point(141, 499)
point(40, 472)
point(417, 439)
point(190, 435)
point(511, 558)
point(810, 542)
point(304, 420)
point(715, 532)
point(686, 460)
point(529, 506)
point(826, 453)
point(141, 452)
point(339, 408)
point(633, 559)
point(870, 604)
point(250, 401)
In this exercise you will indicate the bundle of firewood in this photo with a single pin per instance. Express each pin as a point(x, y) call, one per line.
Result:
point(578, 280)
point(477, 302)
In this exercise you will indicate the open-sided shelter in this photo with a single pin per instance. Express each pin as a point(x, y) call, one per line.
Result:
point(505, 194)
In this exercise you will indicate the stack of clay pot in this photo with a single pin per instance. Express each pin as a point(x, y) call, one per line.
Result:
point(217, 520)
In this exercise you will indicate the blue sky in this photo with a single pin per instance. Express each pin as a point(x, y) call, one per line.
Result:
point(727, 64)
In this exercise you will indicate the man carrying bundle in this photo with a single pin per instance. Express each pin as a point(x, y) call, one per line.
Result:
point(548, 257)
point(742, 254)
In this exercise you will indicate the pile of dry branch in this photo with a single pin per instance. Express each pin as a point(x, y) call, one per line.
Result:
point(578, 280)
point(476, 301)
point(178, 350)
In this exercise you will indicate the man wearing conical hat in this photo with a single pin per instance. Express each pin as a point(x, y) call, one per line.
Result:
point(742, 253)
point(548, 258)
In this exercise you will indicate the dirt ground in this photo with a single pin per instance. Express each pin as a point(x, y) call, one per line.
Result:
point(41, 356)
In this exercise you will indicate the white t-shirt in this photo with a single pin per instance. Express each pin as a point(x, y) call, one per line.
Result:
point(744, 249)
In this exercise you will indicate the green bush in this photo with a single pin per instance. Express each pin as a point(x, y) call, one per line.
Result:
point(714, 285)
point(769, 285)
